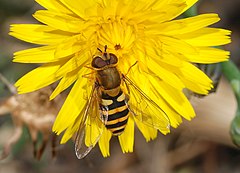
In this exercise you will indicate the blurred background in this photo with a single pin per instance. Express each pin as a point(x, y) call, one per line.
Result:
point(202, 145)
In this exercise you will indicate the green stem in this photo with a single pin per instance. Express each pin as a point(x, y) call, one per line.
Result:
point(232, 73)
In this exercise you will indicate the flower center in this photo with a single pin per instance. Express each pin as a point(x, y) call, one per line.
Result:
point(117, 34)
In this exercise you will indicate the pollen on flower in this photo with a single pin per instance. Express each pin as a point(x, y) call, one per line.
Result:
point(145, 32)
point(117, 46)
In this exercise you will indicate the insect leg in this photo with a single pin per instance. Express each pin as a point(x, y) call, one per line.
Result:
point(131, 67)
point(88, 75)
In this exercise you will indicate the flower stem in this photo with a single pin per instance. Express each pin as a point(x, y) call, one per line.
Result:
point(232, 73)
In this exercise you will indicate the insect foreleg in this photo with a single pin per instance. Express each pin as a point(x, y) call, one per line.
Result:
point(131, 67)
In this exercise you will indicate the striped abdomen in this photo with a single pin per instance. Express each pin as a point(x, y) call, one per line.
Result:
point(116, 110)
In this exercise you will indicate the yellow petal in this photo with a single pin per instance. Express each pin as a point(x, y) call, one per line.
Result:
point(206, 37)
point(38, 34)
point(94, 130)
point(169, 9)
point(104, 142)
point(207, 55)
point(174, 117)
point(71, 46)
point(71, 106)
point(86, 10)
point(65, 82)
point(176, 99)
point(124, 9)
point(54, 6)
point(126, 139)
point(195, 79)
point(70, 131)
point(182, 26)
point(148, 132)
point(38, 78)
point(157, 53)
point(165, 75)
point(189, 3)
point(60, 21)
point(89, 138)
point(76, 62)
point(197, 88)
point(176, 45)
point(152, 91)
point(42, 54)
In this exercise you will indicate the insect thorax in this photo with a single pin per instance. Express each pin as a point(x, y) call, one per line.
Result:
point(109, 78)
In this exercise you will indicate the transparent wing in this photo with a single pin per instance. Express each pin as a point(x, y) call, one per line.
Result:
point(91, 127)
point(145, 109)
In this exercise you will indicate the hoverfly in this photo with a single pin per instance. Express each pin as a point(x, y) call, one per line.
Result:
point(109, 105)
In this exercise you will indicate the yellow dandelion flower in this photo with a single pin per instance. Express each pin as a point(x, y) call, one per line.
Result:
point(150, 51)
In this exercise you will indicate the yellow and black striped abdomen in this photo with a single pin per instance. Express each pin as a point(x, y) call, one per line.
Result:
point(117, 112)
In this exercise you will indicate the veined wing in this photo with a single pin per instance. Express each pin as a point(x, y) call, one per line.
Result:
point(145, 109)
point(91, 127)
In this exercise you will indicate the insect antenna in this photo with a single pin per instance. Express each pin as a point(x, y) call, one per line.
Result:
point(99, 50)
point(105, 48)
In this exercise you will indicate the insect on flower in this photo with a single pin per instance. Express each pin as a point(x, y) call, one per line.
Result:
point(166, 48)
point(110, 103)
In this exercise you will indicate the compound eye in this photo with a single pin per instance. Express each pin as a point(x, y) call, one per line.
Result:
point(98, 62)
point(113, 59)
